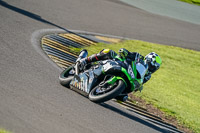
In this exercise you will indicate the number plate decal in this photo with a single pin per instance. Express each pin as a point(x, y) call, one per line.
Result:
point(130, 71)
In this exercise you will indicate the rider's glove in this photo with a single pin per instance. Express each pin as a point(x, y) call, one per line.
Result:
point(123, 53)
point(82, 64)
point(146, 78)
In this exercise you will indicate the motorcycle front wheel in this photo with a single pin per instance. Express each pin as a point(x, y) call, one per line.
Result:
point(100, 94)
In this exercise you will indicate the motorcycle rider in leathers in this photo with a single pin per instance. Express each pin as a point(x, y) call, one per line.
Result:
point(152, 60)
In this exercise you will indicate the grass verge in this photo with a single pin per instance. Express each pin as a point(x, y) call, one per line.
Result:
point(3, 131)
point(174, 88)
point(196, 2)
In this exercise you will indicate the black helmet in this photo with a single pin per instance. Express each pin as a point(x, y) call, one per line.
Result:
point(154, 62)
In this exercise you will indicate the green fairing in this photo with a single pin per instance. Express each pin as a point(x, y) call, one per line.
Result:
point(135, 73)
point(114, 79)
point(134, 68)
point(129, 78)
point(119, 58)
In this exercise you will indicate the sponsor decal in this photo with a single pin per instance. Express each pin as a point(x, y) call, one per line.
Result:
point(130, 71)
point(82, 85)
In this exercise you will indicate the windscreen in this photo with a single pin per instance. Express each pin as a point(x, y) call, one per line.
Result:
point(141, 69)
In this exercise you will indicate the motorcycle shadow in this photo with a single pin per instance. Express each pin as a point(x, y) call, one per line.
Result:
point(152, 124)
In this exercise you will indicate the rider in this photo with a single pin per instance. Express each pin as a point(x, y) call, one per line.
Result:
point(152, 60)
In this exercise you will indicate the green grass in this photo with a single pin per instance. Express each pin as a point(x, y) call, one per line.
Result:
point(196, 2)
point(175, 87)
point(3, 131)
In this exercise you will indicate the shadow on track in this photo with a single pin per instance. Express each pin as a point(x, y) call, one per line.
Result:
point(40, 19)
point(29, 14)
point(35, 17)
point(134, 118)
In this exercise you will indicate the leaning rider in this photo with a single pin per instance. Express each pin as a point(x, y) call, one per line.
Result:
point(152, 60)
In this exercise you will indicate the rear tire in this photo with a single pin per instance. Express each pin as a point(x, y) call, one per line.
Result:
point(99, 98)
point(65, 77)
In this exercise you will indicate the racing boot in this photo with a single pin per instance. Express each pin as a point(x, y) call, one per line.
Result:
point(122, 97)
point(83, 54)
point(79, 62)
point(103, 55)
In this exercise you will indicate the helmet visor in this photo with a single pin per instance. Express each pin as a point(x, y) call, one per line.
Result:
point(153, 67)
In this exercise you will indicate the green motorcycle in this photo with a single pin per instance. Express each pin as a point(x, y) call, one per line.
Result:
point(104, 80)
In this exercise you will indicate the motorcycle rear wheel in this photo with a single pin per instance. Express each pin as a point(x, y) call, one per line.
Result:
point(65, 77)
point(99, 98)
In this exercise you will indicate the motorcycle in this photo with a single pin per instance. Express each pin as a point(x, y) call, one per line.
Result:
point(104, 80)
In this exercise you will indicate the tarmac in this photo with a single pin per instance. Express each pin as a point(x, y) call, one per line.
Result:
point(31, 97)
point(170, 8)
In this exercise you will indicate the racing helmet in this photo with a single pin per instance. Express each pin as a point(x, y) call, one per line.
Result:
point(154, 62)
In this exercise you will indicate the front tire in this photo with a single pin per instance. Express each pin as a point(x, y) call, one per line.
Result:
point(99, 98)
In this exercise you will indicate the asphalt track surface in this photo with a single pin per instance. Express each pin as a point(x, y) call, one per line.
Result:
point(31, 98)
point(171, 8)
